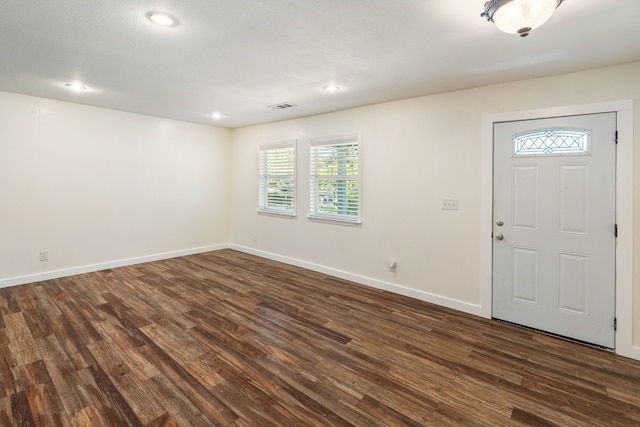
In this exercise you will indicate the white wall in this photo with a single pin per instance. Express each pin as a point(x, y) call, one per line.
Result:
point(415, 152)
point(409, 163)
point(94, 186)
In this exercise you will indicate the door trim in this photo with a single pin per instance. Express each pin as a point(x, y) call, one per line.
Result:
point(624, 209)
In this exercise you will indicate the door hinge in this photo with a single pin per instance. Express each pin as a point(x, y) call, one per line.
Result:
point(616, 137)
point(615, 323)
point(615, 230)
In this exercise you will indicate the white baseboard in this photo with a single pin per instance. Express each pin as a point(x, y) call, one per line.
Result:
point(635, 353)
point(391, 287)
point(48, 275)
point(398, 289)
point(454, 304)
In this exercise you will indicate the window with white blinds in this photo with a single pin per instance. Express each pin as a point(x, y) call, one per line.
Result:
point(335, 178)
point(277, 183)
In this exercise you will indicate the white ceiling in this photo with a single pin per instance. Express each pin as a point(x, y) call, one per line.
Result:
point(240, 56)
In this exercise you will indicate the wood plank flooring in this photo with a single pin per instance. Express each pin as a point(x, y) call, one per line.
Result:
point(228, 339)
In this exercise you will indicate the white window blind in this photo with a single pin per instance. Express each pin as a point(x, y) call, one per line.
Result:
point(335, 178)
point(277, 178)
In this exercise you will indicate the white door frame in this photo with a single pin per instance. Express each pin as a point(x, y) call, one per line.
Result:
point(624, 208)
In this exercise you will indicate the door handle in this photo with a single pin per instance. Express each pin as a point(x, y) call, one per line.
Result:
point(499, 236)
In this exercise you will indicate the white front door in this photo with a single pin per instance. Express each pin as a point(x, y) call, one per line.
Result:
point(554, 225)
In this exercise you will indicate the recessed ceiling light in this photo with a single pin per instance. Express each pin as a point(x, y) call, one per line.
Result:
point(216, 116)
point(162, 18)
point(332, 88)
point(76, 87)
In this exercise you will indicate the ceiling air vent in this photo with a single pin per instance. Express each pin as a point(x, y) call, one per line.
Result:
point(282, 106)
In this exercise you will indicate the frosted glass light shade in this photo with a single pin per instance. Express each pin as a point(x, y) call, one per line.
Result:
point(520, 16)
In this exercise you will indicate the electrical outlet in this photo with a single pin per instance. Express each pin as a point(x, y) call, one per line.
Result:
point(450, 204)
point(44, 255)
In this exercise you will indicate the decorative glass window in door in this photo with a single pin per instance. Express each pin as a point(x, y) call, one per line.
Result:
point(551, 142)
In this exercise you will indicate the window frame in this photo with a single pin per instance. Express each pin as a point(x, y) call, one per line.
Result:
point(314, 177)
point(264, 176)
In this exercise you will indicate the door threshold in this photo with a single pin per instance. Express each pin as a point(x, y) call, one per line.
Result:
point(562, 337)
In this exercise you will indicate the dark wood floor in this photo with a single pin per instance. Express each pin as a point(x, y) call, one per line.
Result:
point(228, 339)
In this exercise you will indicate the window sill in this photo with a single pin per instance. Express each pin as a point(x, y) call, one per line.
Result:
point(276, 213)
point(335, 220)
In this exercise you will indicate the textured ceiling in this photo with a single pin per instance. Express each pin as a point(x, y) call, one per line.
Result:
point(240, 56)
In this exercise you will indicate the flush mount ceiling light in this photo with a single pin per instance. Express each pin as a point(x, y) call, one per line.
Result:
point(76, 87)
point(519, 16)
point(332, 88)
point(216, 116)
point(162, 18)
